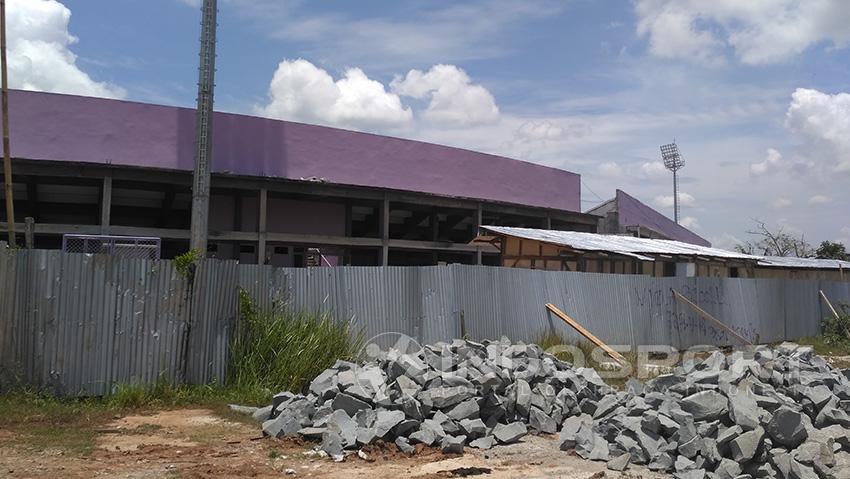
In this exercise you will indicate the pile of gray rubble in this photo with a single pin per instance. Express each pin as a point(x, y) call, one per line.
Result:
point(760, 413)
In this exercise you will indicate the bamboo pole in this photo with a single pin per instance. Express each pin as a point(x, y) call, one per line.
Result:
point(7, 156)
point(711, 319)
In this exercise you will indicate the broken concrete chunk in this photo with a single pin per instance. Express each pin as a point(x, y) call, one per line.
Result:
point(332, 443)
point(787, 428)
point(424, 436)
point(453, 444)
point(510, 433)
point(728, 469)
point(341, 423)
point(349, 404)
point(485, 442)
point(706, 405)
point(473, 428)
point(620, 462)
point(404, 446)
point(262, 414)
point(465, 410)
point(743, 447)
point(539, 421)
point(387, 420)
point(281, 426)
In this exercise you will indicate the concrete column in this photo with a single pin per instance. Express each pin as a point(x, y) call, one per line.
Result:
point(29, 232)
point(105, 205)
point(479, 217)
point(261, 226)
point(548, 221)
point(385, 231)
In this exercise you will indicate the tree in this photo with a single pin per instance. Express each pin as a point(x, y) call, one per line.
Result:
point(832, 250)
point(775, 243)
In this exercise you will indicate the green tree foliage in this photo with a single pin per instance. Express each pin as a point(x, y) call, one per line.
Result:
point(832, 250)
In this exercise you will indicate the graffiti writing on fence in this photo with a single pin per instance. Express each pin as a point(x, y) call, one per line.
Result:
point(683, 320)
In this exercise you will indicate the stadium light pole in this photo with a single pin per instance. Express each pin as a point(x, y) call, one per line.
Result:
point(203, 130)
point(7, 155)
point(674, 162)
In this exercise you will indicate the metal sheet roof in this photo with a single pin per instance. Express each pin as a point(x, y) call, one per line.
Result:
point(623, 245)
point(811, 263)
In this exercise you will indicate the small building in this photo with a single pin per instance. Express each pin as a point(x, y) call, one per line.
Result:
point(598, 253)
point(626, 215)
point(803, 268)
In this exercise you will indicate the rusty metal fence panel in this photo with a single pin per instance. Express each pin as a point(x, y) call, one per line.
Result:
point(79, 324)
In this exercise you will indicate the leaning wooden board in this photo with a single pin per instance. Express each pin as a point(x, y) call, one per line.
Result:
point(587, 334)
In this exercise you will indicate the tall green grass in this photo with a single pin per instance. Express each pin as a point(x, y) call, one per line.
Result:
point(286, 349)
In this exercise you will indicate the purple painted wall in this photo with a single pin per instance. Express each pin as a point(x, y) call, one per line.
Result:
point(93, 130)
point(633, 213)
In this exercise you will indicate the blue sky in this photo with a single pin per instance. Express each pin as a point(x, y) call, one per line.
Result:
point(755, 93)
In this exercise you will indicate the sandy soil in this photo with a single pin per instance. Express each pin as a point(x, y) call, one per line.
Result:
point(194, 443)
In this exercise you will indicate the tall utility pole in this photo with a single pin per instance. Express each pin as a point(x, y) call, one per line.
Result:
point(674, 162)
point(7, 155)
point(203, 129)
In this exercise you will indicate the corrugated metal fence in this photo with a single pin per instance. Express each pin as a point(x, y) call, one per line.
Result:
point(79, 324)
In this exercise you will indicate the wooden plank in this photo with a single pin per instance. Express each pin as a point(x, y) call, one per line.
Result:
point(834, 312)
point(587, 334)
point(711, 319)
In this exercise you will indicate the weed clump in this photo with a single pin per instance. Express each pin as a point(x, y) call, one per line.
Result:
point(286, 349)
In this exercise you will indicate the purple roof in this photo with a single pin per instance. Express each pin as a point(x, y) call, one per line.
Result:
point(634, 213)
point(94, 130)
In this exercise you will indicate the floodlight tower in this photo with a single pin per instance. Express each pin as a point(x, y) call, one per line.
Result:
point(673, 161)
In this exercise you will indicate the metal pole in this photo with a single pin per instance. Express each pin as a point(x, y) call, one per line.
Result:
point(675, 197)
point(203, 129)
point(7, 156)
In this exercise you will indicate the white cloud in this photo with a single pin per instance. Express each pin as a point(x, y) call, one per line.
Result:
point(725, 241)
point(543, 130)
point(454, 99)
point(610, 169)
point(690, 222)
point(39, 51)
point(771, 164)
point(653, 170)
point(781, 203)
point(759, 31)
point(191, 3)
point(819, 200)
point(821, 122)
point(666, 201)
point(673, 33)
point(427, 33)
point(303, 92)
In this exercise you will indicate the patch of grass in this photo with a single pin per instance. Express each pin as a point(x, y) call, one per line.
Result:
point(827, 346)
point(42, 421)
point(45, 422)
point(286, 349)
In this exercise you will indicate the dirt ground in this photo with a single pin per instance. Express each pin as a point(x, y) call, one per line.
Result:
point(195, 443)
